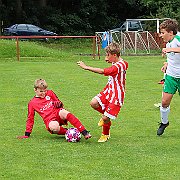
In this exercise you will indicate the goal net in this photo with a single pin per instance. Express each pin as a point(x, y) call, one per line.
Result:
point(134, 42)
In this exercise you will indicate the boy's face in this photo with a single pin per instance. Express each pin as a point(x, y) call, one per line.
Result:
point(40, 92)
point(167, 36)
point(109, 58)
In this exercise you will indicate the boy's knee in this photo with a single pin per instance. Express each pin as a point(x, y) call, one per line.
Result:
point(165, 104)
point(106, 119)
point(94, 103)
point(54, 126)
point(63, 114)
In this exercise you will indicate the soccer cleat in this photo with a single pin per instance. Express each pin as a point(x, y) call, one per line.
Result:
point(86, 134)
point(101, 122)
point(104, 138)
point(161, 128)
point(158, 105)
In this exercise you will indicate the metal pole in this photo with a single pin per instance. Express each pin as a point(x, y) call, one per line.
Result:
point(94, 47)
point(2, 27)
point(157, 25)
point(135, 43)
point(98, 42)
point(17, 49)
point(99, 47)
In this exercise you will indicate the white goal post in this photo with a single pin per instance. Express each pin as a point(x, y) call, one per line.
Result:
point(135, 42)
point(153, 19)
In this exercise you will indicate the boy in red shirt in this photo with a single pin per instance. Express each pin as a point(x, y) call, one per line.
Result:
point(50, 108)
point(110, 100)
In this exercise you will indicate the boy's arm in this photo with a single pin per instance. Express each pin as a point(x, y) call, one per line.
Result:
point(89, 68)
point(29, 122)
point(163, 69)
point(56, 102)
point(167, 50)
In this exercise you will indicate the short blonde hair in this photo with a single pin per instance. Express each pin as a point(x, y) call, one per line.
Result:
point(113, 48)
point(40, 83)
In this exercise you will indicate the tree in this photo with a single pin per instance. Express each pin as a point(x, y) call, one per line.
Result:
point(83, 17)
point(18, 11)
point(163, 8)
point(42, 3)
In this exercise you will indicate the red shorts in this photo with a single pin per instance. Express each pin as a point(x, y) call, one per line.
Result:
point(111, 110)
point(59, 120)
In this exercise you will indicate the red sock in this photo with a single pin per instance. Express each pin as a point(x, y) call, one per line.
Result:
point(62, 131)
point(75, 122)
point(99, 109)
point(106, 128)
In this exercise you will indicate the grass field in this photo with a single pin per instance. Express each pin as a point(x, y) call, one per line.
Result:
point(133, 152)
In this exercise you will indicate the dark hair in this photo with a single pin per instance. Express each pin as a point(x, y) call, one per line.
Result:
point(169, 25)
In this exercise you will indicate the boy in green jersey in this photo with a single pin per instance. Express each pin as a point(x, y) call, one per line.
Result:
point(169, 29)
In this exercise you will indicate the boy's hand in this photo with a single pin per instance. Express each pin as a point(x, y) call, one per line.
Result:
point(82, 64)
point(58, 104)
point(163, 54)
point(167, 50)
point(22, 137)
point(163, 69)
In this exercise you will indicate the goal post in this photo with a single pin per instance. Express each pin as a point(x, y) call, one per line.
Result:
point(137, 42)
point(134, 42)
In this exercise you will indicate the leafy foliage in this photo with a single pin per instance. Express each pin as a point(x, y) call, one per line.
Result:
point(84, 17)
point(162, 9)
point(72, 17)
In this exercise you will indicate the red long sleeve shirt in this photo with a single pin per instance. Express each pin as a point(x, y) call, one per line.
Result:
point(44, 107)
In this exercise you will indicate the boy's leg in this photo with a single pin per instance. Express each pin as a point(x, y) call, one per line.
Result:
point(111, 112)
point(95, 105)
point(55, 128)
point(164, 112)
point(66, 115)
point(98, 103)
point(105, 129)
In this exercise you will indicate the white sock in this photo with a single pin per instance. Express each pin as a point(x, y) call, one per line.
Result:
point(164, 76)
point(164, 114)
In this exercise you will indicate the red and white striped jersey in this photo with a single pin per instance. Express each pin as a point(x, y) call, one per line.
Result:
point(115, 88)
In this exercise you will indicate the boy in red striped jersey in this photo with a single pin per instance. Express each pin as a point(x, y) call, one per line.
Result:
point(110, 100)
point(50, 108)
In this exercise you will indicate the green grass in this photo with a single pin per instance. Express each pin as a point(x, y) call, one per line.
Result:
point(133, 151)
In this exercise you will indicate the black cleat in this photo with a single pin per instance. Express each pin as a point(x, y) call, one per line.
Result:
point(161, 128)
point(86, 134)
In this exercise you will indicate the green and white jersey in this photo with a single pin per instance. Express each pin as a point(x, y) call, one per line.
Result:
point(173, 59)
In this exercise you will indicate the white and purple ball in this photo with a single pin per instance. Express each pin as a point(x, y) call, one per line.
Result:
point(73, 135)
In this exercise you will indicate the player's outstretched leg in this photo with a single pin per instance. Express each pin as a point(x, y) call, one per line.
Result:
point(66, 115)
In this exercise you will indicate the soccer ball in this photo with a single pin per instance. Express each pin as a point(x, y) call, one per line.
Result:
point(73, 135)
